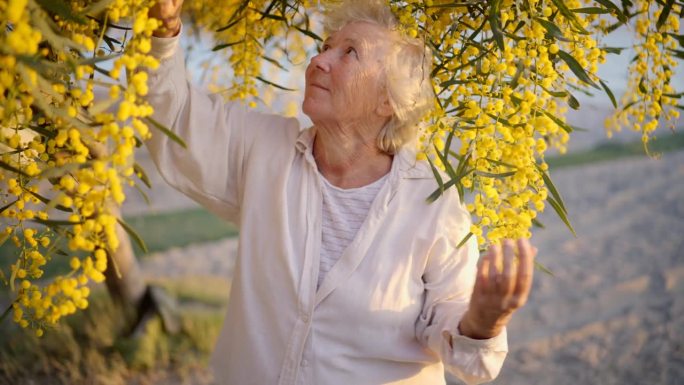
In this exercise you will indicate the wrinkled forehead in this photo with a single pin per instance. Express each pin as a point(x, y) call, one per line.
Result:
point(362, 34)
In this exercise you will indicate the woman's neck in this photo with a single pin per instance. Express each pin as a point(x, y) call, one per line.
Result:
point(349, 157)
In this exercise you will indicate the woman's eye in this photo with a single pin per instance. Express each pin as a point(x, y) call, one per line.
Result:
point(350, 50)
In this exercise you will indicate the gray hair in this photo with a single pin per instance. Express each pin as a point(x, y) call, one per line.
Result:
point(406, 69)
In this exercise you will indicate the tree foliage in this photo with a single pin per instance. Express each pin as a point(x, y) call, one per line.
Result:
point(505, 72)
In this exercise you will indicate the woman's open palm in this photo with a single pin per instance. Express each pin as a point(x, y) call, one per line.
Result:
point(503, 283)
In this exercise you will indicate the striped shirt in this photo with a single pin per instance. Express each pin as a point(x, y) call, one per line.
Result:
point(344, 211)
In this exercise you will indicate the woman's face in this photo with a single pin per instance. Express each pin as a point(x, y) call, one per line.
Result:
point(344, 81)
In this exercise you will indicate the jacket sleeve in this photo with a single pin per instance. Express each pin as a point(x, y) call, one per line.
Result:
point(210, 169)
point(449, 279)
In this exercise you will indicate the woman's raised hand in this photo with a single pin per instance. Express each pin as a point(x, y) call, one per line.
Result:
point(168, 12)
point(504, 279)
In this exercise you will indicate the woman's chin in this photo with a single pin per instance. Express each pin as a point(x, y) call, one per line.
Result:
point(312, 110)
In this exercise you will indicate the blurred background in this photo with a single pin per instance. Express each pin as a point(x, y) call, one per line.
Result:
point(610, 312)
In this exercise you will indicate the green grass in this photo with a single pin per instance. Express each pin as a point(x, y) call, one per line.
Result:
point(608, 151)
point(179, 228)
point(159, 232)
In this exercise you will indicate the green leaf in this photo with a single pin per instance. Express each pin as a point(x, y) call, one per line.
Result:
point(11, 168)
point(551, 29)
point(44, 131)
point(308, 33)
point(166, 132)
point(274, 84)
point(3, 238)
point(678, 53)
point(542, 268)
point(239, 10)
point(453, 82)
point(609, 93)
point(613, 50)
point(143, 194)
point(437, 193)
point(137, 168)
point(576, 68)
point(560, 4)
point(97, 7)
point(96, 59)
point(445, 161)
point(573, 102)
point(55, 222)
point(556, 94)
point(674, 96)
point(226, 45)
point(458, 4)
point(5, 207)
point(48, 201)
point(609, 4)
point(679, 38)
point(58, 171)
point(133, 235)
point(464, 240)
point(101, 105)
point(272, 16)
point(561, 214)
point(552, 188)
point(47, 27)
point(495, 23)
point(496, 176)
point(5, 313)
point(664, 14)
point(435, 173)
point(229, 25)
point(559, 122)
point(536, 223)
point(275, 63)
point(591, 10)
point(642, 87)
point(110, 42)
point(62, 9)
point(500, 163)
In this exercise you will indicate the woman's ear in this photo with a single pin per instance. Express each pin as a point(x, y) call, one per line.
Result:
point(384, 108)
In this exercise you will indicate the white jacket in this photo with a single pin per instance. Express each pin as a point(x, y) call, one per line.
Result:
point(383, 313)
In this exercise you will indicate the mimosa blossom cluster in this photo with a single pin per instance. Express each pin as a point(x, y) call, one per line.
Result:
point(65, 156)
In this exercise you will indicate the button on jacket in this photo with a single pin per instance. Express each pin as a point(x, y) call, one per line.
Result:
point(385, 311)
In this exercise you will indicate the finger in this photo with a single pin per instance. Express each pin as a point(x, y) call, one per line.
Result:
point(509, 278)
point(525, 271)
point(494, 263)
point(482, 274)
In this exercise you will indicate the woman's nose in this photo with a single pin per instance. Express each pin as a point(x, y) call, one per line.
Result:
point(321, 61)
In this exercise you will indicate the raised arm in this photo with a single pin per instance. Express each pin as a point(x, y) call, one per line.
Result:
point(209, 169)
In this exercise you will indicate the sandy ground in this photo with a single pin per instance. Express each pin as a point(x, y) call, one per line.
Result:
point(614, 311)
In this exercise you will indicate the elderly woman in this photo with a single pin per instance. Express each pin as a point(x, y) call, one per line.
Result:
point(345, 275)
